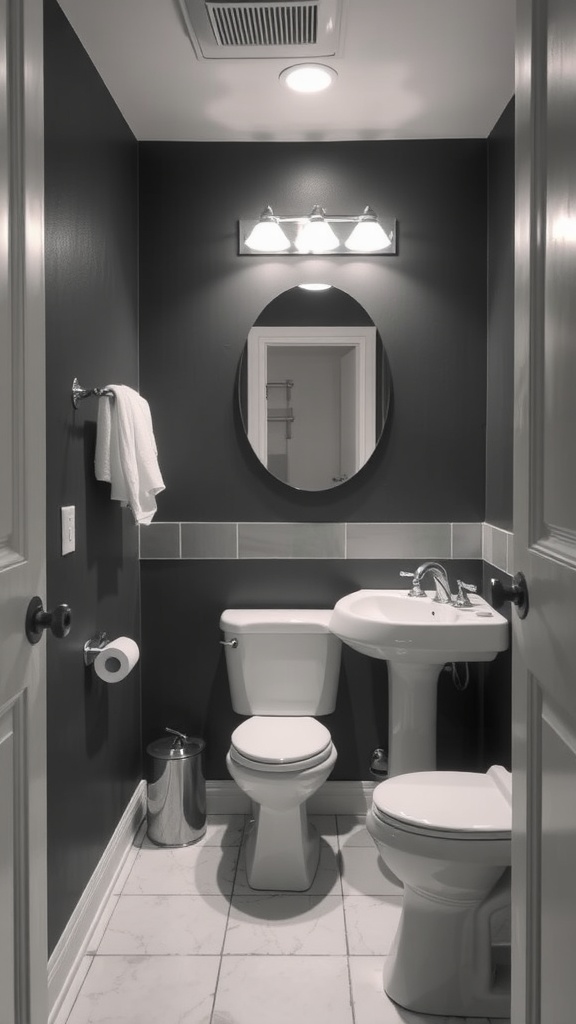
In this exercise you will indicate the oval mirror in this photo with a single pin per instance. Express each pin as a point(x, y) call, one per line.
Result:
point(313, 387)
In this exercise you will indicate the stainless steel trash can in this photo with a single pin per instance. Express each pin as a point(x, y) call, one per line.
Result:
point(176, 809)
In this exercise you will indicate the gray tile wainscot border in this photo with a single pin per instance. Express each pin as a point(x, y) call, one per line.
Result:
point(327, 540)
point(498, 547)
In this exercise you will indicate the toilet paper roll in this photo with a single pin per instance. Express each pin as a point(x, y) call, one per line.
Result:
point(116, 660)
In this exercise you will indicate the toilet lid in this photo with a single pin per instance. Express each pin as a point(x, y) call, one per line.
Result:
point(446, 802)
point(282, 740)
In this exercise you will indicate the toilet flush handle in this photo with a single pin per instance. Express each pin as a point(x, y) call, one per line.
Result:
point(229, 643)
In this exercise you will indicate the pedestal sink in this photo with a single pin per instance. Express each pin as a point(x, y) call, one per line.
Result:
point(416, 636)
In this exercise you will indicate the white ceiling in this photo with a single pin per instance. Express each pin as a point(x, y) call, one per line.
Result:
point(407, 69)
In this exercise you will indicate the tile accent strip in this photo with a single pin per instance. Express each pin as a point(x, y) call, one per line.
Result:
point(399, 540)
point(291, 540)
point(328, 540)
point(498, 547)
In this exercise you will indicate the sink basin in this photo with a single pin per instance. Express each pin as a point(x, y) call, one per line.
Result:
point(416, 636)
point(388, 624)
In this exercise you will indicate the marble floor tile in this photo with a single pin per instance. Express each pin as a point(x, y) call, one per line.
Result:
point(364, 873)
point(174, 936)
point(286, 924)
point(147, 990)
point(184, 925)
point(325, 825)
point(224, 830)
point(371, 923)
point(282, 990)
point(326, 879)
point(352, 830)
point(180, 870)
point(371, 1004)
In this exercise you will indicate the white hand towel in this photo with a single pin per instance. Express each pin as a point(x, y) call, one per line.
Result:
point(126, 454)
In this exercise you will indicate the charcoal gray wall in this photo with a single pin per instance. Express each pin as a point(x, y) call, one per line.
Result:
point(185, 684)
point(94, 759)
point(500, 365)
point(198, 302)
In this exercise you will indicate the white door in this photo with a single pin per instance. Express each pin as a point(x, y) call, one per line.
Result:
point(22, 553)
point(544, 685)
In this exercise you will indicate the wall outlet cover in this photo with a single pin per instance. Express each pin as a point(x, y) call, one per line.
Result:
point(68, 514)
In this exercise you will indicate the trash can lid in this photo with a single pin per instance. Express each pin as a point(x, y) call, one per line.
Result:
point(175, 746)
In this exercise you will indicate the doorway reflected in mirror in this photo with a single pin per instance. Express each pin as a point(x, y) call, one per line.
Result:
point(314, 388)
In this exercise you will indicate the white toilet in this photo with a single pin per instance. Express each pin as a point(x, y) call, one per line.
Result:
point(447, 837)
point(283, 667)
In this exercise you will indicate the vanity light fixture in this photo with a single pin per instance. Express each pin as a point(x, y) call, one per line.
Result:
point(318, 234)
point(308, 77)
point(368, 235)
point(267, 235)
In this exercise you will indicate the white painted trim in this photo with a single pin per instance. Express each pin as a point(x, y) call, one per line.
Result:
point(224, 797)
point(351, 797)
point(73, 943)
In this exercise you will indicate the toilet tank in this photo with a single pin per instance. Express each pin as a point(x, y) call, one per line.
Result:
point(285, 661)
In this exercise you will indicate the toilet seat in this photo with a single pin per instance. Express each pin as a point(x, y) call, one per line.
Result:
point(449, 805)
point(280, 744)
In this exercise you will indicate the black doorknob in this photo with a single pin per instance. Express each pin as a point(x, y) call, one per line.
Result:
point(57, 621)
point(517, 593)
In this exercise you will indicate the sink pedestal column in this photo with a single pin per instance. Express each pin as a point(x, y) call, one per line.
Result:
point(412, 697)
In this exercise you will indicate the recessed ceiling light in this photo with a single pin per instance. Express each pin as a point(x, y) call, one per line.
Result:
point(308, 77)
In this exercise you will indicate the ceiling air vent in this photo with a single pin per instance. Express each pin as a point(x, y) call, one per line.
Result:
point(255, 29)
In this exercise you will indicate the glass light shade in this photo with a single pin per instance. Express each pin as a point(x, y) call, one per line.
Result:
point(267, 235)
point(308, 77)
point(368, 235)
point(316, 235)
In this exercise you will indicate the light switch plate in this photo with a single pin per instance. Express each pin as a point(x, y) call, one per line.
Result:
point(68, 513)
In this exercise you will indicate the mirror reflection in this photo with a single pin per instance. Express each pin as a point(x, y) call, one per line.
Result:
point(313, 387)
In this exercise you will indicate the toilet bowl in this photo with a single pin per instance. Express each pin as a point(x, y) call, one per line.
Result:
point(283, 667)
point(447, 837)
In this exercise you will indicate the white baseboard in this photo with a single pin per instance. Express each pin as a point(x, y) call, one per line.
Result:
point(353, 797)
point(73, 943)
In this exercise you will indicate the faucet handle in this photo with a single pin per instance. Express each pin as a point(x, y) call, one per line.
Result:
point(462, 600)
point(416, 590)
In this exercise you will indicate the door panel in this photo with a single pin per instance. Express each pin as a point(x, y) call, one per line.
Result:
point(558, 859)
point(22, 540)
point(9, 925)
point(544, 683)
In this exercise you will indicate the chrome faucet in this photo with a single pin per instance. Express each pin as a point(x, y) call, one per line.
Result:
point(441, 582)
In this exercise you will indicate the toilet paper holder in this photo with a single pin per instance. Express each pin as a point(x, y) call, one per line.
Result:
point(93, 647)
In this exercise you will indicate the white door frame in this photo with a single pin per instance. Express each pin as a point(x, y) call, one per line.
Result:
point(363, 342)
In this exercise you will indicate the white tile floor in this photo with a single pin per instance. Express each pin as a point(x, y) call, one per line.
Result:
point(184, 940)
